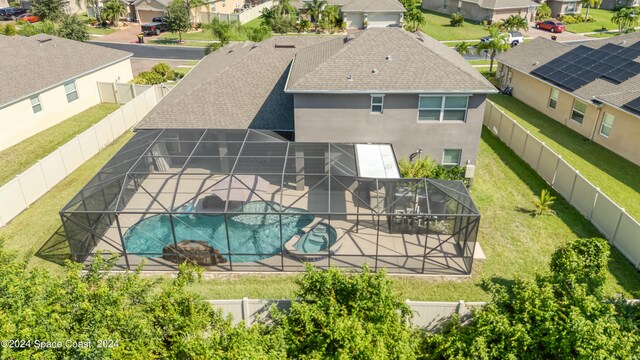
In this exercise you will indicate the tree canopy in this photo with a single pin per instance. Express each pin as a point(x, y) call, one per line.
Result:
point(178, 18)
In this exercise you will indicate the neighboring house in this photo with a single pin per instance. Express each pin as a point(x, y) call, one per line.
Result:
point(564, 7)
point(375, 13)
point(593, 88)
point(615, 4)
point(381, 85)
point(484, 10)
point(143, 11)
point(58, 79)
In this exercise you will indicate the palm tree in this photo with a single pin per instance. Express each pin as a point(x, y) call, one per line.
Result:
point(625, 18)
point(414, 19)
point(331, 13)
point(268, 16)
point(497, 43)
point(113, 10)
point(314, 9)
point(515, 22)
point(589, 4)
point(285, 7)
point(463, 48)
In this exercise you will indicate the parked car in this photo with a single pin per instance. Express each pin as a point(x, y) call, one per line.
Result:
point(28, 17)
point(11, 13)
point(515, 38)
point(155, 27)
point(551, 25)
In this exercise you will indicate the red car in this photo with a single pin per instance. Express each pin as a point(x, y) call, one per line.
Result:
point(551, 25)
point(28, 17)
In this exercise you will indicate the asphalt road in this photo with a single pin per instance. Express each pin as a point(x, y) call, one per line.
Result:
point(157, 51)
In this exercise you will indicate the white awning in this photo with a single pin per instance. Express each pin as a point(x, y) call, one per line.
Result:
point(377, 161)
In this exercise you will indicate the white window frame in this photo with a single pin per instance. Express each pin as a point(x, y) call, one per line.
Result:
point(442, 108)
point(572, 9)
point(75, 90)
point(38, 104)
point(452, 164)
point(603, 125)
point(555, 105)
point(573, 110)
point(381, 104)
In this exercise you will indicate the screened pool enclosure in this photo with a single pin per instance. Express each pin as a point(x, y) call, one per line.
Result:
point(245, 200)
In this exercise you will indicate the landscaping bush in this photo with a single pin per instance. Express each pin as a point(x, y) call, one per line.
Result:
point(9, 30)
point(148, 78)
point(543, 12)
point(457, 19)
point(428, 168)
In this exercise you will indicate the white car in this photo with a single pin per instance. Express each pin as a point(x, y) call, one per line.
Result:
point(515, 38)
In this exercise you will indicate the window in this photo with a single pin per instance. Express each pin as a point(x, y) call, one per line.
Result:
point(571, 7)
point(451, 157)
point(377, 102)
point(35, 104)
point(444, 4)
point(553, 98)
point(607, 124)
point(442, 108)
point(577, 114)
point(71, 91)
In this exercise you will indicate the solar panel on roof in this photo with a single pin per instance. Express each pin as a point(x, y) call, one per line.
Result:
point(616, 60)
point(635, 45)
point(611, 48)
point(629, 53)
point(584, 62)
point(634, 105)
point(618, 75)
point(581, 50)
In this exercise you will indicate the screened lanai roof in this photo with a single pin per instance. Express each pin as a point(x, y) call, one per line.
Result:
point(212, 170)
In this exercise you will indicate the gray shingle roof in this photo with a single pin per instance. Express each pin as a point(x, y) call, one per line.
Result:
point(384, 60)
point(503, 4)
point(32, 64)
point(538, 52)
point(371, 5)
point(236, 87)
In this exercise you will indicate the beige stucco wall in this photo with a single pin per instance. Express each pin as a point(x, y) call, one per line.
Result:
point(226, 6)
point(19, 122)
point(559, 8)
point(472, 11)
point(535, 93)
point(348, 118)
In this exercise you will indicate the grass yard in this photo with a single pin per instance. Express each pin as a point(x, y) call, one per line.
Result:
point(100, 30)
point(438, 27)
point(21, 156)
point(617, 176)
point(27, 232)
point(192, 35)
point(515, 243)
point(602, 17)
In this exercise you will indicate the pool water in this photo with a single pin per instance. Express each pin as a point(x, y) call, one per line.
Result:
point(252, 236)
point(318, 239)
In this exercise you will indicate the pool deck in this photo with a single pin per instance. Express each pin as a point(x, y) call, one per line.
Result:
point(360, 241)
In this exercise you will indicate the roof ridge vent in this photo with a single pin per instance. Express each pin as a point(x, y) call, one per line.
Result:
point(44, 40)
point(284, 46)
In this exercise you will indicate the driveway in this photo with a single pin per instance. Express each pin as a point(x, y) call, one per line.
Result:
point(565, 36)
point(124, 36)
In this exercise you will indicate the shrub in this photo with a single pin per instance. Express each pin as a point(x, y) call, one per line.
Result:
point(544, 202)
point(543, 12)
point(457, 19)
point(72, 27)
point(9, 30)
point(282, 24)
point(161, 68)
point(304, 25)
point(428, 168)
point(148, 78)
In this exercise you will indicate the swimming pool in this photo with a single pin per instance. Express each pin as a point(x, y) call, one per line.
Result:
point(252, 236)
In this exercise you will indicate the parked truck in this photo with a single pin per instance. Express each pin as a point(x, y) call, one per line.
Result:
point(155, 27)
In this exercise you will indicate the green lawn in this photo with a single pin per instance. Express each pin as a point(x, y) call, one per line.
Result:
point(21, 156)
point(192, 35)
point(480, 62)
point(513, 241)
point(616, 176)
point(100, 30)
point(204, 35)
point(603, 18)
point(438, 27)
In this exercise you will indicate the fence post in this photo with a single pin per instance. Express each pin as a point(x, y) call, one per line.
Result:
point(245, 311)
point(64, 165)
point(618, 224)
point(555, 171)
point(462, 307)
point(513, 128)
point(526, 138)
point(491, 106)
point(595, 198)
point(540, 156)
point(43, 177)
point(24, 198)
point(115, 92)
point(84, 158)
point(573, 186)
point(500, 122)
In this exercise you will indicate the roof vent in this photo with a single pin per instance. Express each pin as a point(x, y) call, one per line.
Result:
point(623, 42)
point(44, 40)
point(535, 63)
point(349, 78)
point(285, 46)
point(374, 71)
point(388, 57)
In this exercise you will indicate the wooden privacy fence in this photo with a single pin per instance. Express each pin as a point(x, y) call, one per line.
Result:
point(616, 225)
point(30, 185)
point(426, 315)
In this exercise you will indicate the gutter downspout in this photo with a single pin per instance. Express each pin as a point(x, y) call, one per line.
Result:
point(599, 106)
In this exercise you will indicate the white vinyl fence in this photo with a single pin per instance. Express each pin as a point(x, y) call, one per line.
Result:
point(616, 225)
point(426, 315)
point(244, 17)
point(29, 186)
